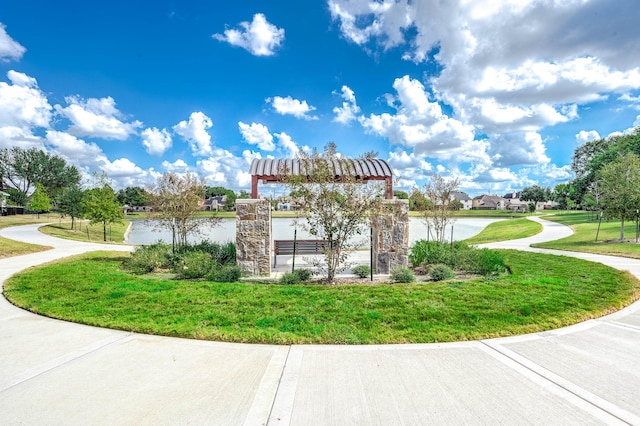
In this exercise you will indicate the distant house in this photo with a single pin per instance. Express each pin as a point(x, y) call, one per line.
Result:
point(514, 203)
point(283, 206)
point(214, 203)
point(136, 209)
point(464, 199)
point(489, 202)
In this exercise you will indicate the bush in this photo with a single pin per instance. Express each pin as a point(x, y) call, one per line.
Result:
point(290, 278)
point(441, 272)
point(429, 252)
point(147, 259)
point(361, 271)
point(402, 274)
point(227, 274)
point(194, 265)
point(222, 254)
point(303, 274)
point(491, 262)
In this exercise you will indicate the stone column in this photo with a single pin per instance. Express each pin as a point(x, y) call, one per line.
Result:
point(253, 236)
point(391, 236)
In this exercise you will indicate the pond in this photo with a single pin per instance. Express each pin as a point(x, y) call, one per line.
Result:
point(142, 232)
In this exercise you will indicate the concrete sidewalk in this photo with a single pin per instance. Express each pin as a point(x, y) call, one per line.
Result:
point(53, 372)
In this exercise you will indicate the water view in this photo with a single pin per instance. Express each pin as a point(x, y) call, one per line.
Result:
point(282, 229)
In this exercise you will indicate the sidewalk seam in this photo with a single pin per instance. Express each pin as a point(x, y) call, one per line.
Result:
point(592, 400)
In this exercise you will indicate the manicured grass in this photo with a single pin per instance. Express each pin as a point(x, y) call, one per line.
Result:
point(115, 232)
point(511, 229)
point(585, 226)
point(92, 289)
point(9, 248)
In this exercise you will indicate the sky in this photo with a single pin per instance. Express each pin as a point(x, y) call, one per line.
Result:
point(495, 93)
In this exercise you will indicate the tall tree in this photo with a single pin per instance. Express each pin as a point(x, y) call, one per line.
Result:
point(21, 169)
point(101, 205)
point(336, 205)
point(40, 201)
point(69, 203)
point(176, 200)
point(436, 206)
point(133, 196)
point(620, 186)
point(535, 193)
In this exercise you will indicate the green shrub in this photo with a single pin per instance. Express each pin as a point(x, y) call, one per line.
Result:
point(491, 262)
point(303, 274)
point(194, 265)
point(442, 272)
point(145, 259)
point(429, 252)
point(222, 254)
point(361, 271)
point(402, 274)
point(227, 274)
point(290, 278)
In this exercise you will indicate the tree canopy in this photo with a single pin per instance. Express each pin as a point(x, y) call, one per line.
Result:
point(620, 184)
point(176, 199)
point(21, 169)
point(101, 205)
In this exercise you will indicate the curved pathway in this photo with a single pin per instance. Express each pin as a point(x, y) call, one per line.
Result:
point(54, 372)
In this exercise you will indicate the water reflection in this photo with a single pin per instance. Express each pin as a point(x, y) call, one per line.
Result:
point(283, 229)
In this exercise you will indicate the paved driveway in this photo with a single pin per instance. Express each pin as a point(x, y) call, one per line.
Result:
point(54, 372)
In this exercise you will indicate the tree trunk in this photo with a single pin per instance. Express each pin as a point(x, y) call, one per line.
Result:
point(104, 231)
point(622, 229)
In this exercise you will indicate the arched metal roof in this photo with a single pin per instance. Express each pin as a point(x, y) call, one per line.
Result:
point(270, 168)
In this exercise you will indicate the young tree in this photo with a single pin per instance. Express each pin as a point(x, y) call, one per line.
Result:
point(436, 205)
point(70, 203)
point(336, 205)
point(620, 186)
point(40, 201)
point(101, 205)
point(176, 199)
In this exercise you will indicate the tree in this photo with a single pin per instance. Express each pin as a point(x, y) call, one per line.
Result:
point(40, 201)
point(175, 200)
point(336, 205)
point(133, 196)
point(101, 205)
point(243, 195)
point(620, 185)
point(535, 193)
point(435, 204)
point(21, 169)
point(400, 195)
point(70, 203)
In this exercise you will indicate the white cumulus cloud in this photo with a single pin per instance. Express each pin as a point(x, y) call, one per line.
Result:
point(156, 141)
point(295, 107)
point(97, 118)
point(194, 131)
point(22, 103)
point(257, 134)
point(9, 48)
point(349, 110)
point(587, 136)
point(259, 37)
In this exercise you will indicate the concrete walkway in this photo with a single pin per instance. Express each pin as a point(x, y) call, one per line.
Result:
point(53, 372)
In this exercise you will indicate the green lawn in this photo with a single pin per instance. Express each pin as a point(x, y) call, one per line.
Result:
point(585, 227)
point(87, 232)
point(92, 289)
point(9, 248)
point(511, 229)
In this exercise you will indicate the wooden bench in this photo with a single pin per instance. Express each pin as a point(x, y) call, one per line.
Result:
point(286, 247)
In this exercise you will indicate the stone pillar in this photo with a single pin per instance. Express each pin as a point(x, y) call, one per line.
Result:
point(391, 236)
point(253, 236)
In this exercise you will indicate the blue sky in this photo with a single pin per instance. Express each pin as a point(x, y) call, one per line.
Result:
point(495, 93)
